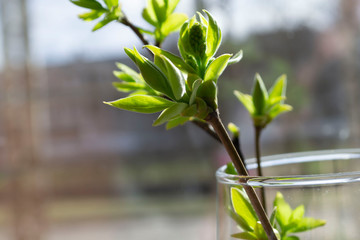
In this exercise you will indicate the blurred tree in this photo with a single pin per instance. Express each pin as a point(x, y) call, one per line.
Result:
point(18, 89)
point(349, 29)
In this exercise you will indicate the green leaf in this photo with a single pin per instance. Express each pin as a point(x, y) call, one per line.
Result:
point(283, 210)
point(230, 169)
point(236, 58)
point(149, 14)
point(207, 91)
point(160, 10)
point(189, 111)
point(245, 235)
point(279, 87)
point(234, 129)
point(152, 75)
point(202, 108)
point(170, 113)
point(216, 68)
point(177, 61)
point(297, 214)
point(279, 109)
point(213, 36)
point(111, 3)
point(242, 206)
point(246, 100)
point(195, 87)
point(128, 86)
point(273, 217)
point(240, 221)
point(307, 224)
point(173, 23)
point(175, 78)
point(133, 75)
point(92, 15)
point(91, 4)
point(259, 231)
point(291, 238)
point(171, 6)
point(259, 96)
point(141, 103)
point(102, 23)
point(176, 122)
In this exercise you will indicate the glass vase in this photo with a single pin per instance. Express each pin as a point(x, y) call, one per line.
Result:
point(326, 183)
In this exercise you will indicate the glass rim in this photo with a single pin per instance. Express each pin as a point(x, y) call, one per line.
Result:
point(296, 180)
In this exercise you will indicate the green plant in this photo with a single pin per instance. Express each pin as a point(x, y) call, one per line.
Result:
point(284, 219)
point(184, 88)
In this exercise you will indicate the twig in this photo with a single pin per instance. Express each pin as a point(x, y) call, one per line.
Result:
point(124, 20)
point(258, 131)
point(214, 120)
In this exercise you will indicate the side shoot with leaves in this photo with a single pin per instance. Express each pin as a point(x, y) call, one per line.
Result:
point(184, 88)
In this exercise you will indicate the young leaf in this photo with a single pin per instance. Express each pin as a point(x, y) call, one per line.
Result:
point(151, 73)
point(171, 6)
point(207, 91)
point(149, 14)
point(92, 15)
point(236, 58)
point(279, 87)
point(177, 61)
point(176, 122)
point(307, 224)
point(102, 23)
point(297, 214)
point(175, 78)
point(283, 210)
point(246, 100)
point(128, 86)
point(242, 206)
point(259, 95)
point(173, 23)
point(273, 217)
point(189, 111)
point(213, 36)
point(132, 75)
point(234, 129)
point(245, 235)
point(91, 4)
point(216, 68)
point(291, 238)
point(160, 10)
point(259, 231)
point(279, 109)
point(141, 103)
point(195, 87)
point(240, 221)
point(170, 113)
point(111, 3)
point(230, 169)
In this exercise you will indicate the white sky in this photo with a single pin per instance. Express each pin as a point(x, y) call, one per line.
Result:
point(58, 36)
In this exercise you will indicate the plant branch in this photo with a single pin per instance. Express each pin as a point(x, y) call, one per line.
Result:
point(205, 126)
point(258, 131)
point(124, 20)
point(214, 120)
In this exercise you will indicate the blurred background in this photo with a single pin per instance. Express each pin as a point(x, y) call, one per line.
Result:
point(73, 168)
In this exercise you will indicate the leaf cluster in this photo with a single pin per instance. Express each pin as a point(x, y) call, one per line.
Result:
point(264, 105)
point(109, 10)
point(198, 43)
point(170, 84)
point(284, 219)
point(291, 221)
point(160, 14)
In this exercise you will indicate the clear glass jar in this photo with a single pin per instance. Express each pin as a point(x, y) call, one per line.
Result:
point(327, 183)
